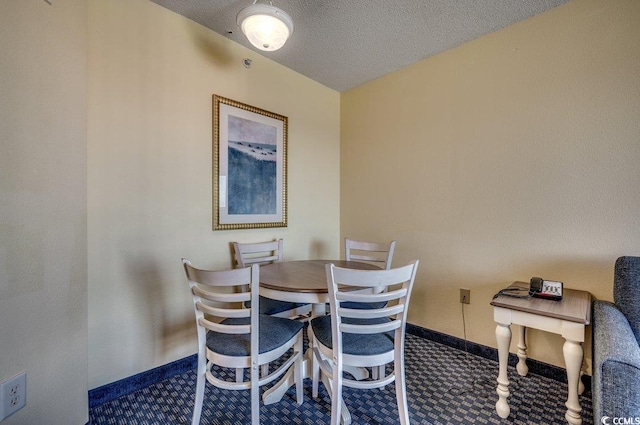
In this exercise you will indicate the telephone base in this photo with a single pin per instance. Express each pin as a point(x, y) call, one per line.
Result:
point(547, 297)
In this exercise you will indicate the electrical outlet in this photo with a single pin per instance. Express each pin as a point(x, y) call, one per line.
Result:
point(465, 296)
point(13, 395)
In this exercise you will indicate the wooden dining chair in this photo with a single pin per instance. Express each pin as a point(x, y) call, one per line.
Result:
point(380, 254)
point(261, 253)
point(370, 337)
point(231, 336)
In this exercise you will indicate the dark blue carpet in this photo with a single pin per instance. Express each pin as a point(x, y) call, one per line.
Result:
point(445, 386)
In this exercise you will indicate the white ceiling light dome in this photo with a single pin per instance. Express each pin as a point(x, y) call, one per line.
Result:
point(267, 27)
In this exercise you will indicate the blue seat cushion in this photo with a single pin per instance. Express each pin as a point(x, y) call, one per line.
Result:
point(270, 306)
point(355, 344)
point(274, 332)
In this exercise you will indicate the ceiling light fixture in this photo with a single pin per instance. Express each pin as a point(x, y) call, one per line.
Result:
point(267, 27)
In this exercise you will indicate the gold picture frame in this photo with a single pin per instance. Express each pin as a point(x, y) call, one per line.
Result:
point(249, 166)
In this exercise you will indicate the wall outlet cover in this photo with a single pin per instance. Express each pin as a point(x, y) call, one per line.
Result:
point(13, 395)
point(465, 296)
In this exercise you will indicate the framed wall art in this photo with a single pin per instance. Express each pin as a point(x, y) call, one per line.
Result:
point(249, 166)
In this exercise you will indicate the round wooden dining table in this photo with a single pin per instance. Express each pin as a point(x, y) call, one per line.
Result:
point(303, 281)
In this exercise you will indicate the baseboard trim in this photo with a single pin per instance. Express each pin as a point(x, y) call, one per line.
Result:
point(539, 368)
point(116, 389)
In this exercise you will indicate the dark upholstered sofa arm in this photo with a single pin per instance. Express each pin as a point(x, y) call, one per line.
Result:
point(616, 364)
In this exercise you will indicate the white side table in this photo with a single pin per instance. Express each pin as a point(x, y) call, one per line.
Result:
point(568, 318)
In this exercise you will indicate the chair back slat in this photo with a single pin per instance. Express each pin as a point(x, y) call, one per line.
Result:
point(371, 313)
point(225, 329)
point(367, 258)
point(260, 260)
point(217, 278)
point(221, 297)
point(379, 254)
point(370, 329)
point(223, 312)
point(368, 297)
point(371, 278)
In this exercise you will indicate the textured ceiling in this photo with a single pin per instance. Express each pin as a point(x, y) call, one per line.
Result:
point(344, 43)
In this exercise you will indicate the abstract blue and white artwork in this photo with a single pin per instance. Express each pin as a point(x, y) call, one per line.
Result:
point(252, 153)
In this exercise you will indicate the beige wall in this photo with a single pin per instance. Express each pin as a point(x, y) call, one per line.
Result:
point(43, 236)
point(151, 77)
point(511, 156)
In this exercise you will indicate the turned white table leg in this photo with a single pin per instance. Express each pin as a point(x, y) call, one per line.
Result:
point(573, 355)
point(503, 338)
point(583, 367)
point(522, 367)
point(580, 384)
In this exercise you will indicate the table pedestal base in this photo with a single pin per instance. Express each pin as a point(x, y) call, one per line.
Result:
point(275, 393)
